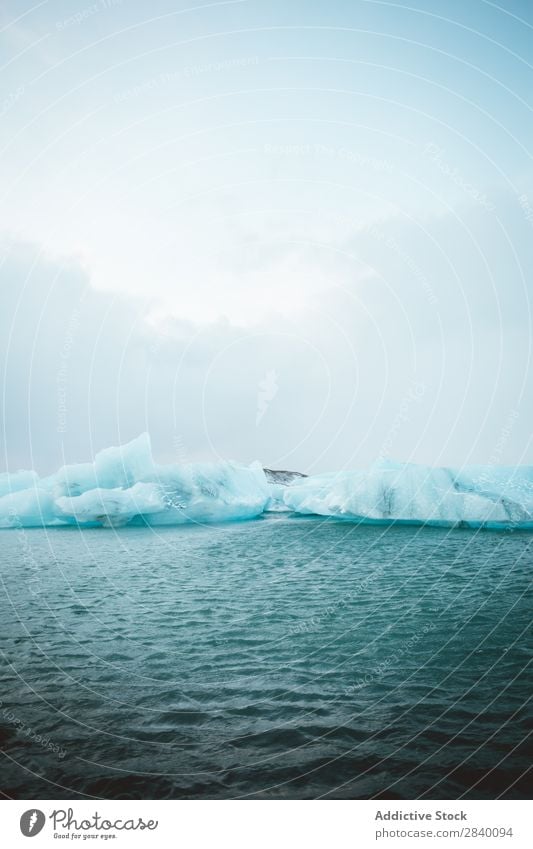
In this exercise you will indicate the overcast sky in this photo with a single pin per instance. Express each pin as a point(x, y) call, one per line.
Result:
point(299, 232)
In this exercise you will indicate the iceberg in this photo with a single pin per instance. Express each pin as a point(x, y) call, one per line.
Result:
point(476, 496)
point(125, 486)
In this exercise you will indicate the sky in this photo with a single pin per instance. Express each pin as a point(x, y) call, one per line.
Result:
point(298, 232)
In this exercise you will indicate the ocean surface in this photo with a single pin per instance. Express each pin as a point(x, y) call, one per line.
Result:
point(278, 658)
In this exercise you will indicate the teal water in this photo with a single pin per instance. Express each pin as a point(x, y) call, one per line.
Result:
point(279, 658)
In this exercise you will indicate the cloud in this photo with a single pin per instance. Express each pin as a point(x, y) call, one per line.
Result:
point(415, 344)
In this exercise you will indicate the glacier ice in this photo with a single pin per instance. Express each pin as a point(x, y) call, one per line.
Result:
point(476, 496)
point(10, 483)
point(124, 486)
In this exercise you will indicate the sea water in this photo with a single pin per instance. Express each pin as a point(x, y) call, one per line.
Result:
point(278, 658)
